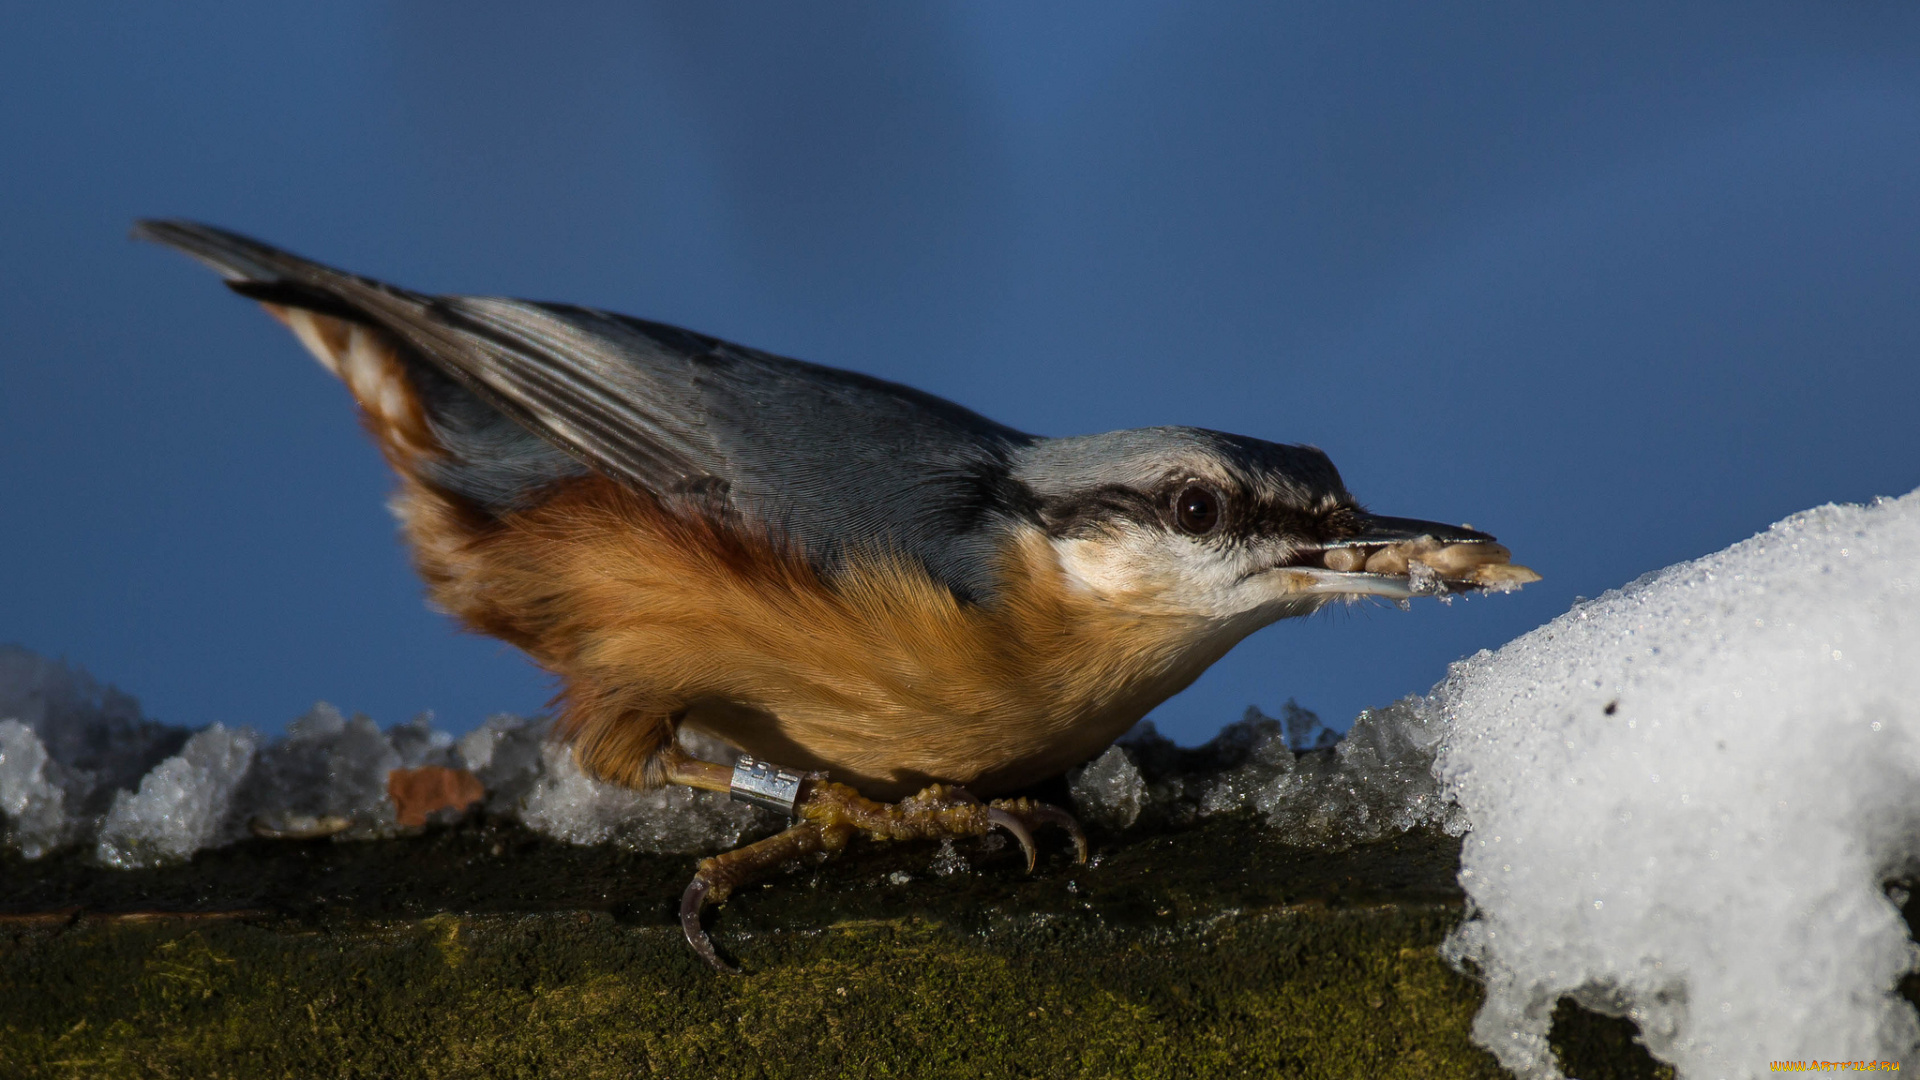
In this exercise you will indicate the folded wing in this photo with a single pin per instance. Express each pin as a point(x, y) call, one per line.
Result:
point(841, 463)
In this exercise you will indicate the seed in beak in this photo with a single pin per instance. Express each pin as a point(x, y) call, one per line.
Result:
point(1345, 559)
point(1452, 562)
point(1388, 560)
point(1458, 561)
point(1502, 577)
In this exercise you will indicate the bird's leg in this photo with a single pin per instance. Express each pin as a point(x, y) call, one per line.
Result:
point(717, 876)
point(830, 814)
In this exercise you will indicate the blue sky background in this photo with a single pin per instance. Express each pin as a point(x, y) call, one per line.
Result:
point(1622, 285)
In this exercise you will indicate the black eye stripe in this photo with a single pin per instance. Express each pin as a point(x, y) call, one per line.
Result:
point(1240, 516)
point(1090, 511)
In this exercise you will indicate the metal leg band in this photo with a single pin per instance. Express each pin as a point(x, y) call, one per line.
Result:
point(765, 784)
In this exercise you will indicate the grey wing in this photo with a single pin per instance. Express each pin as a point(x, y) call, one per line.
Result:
point(838, 462)
point(577, 399)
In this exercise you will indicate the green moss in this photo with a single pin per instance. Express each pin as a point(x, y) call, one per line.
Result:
point(1305, 993)
point(1212, 952)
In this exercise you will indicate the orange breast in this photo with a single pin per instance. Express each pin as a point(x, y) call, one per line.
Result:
point(881, 677)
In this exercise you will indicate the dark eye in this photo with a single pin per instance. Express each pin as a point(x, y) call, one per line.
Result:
point(1197, 510)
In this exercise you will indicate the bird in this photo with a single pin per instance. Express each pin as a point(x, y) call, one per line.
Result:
point(893, 607)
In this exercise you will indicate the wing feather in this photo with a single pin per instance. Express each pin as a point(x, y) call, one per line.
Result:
point(515, 355)
point(841, 462)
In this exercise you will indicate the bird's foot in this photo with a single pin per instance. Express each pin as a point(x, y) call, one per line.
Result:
point(940, 812)
point(830, 814)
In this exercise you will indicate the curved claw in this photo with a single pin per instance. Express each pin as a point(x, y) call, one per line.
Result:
point(1007, 821)
point(1053, 815)
point(691, 901)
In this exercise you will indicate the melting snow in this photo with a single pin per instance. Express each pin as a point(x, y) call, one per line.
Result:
point(182, 804)
point(1307, 782)
point(1686, 796)
point(78, 765)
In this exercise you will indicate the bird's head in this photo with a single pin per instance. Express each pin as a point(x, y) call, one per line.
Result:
point(1234, 531)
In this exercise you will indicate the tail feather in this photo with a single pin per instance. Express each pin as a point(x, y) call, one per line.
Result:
point(318, 304)
point(232, 256)
point(265, 273)
point(381, 341)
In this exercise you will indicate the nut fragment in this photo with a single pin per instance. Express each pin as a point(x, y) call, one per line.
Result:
point(1438, 568)
point(1388, 560)
point(1502, 577)
point(1457, 561)
point(1345, 559)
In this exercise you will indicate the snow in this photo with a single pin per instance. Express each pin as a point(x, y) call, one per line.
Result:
point(1109, 790)
point(1687, 795)
point(1308, 783)
point(33, 804)
point(67, 744)
point(329, 767)
point(327, 776)
point(566, 804)
point(183, 804)
point(1683, 802)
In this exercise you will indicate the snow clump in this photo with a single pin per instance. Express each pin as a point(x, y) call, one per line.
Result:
point(1306, 781)
point(182, 805)
point(1687, 797)
point(33, 807)
point(80, 768)
point(67, 745)
point(565, 803)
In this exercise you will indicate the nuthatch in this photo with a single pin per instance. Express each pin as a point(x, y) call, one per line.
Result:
point(843, 575)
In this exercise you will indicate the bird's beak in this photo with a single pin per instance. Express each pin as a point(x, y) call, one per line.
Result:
point(1402, 557)
point(1379, 531)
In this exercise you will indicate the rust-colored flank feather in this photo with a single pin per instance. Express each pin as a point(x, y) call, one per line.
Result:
point(656, 613)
